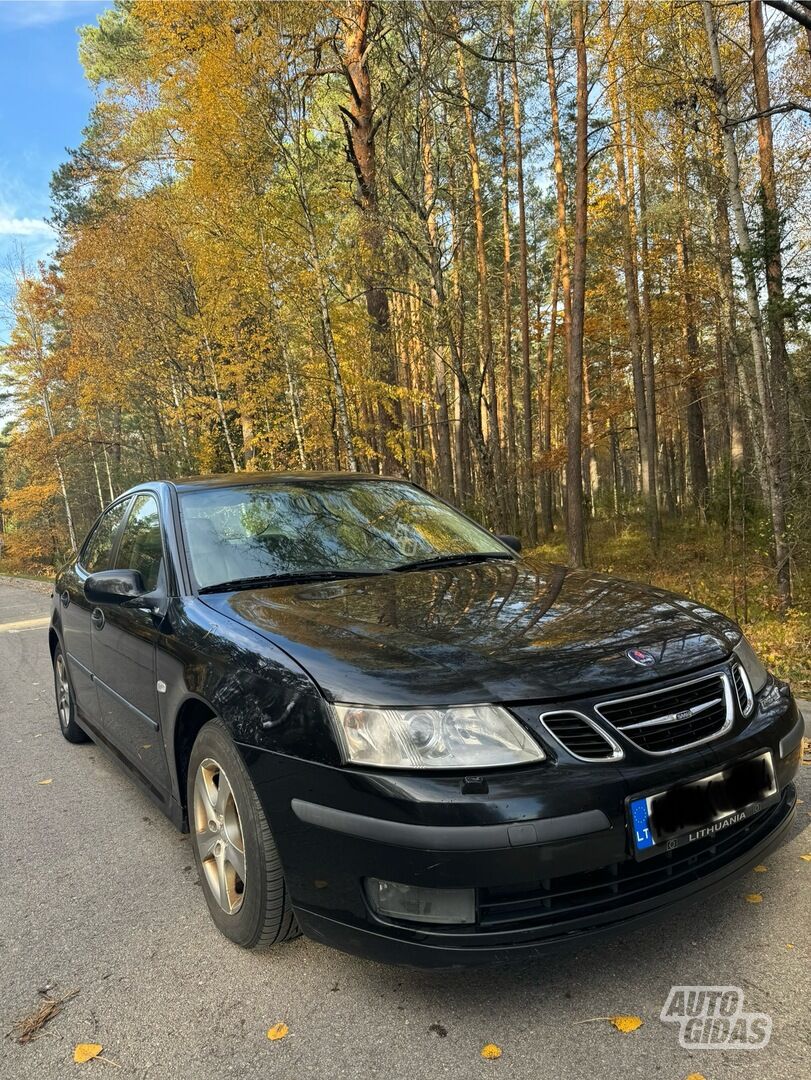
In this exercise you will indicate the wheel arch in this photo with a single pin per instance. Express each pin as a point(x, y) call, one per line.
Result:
point(192, 715)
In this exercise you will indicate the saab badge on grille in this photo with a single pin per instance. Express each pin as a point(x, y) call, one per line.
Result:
point(639, 656)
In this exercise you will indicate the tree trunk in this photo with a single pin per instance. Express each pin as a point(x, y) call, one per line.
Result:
point(647, 326)
point(294, 402)
point(63, 488)
point(485, 318)
point(106, 455)
point(328, 341)
point(591, 455)
point(735, 376)
point(509, 411)
point(699, 477)
point(771, 444)
point(772, 243)
point(562, 234)
point(574, 381)
point(440, 372)
point(468, 415)
point(530, 521)
point(215, 382)
point(561, 193)
point(647, 465)
point(547, 517)
point(360, 126)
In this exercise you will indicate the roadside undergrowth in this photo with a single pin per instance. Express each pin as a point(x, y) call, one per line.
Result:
point(694, 561)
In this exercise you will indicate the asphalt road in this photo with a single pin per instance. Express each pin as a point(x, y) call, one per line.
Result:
point(98, 893)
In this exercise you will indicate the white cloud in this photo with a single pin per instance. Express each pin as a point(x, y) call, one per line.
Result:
point(23, 226)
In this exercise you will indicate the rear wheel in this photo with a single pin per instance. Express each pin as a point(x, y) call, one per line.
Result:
point(65, 706)
point(236, 856)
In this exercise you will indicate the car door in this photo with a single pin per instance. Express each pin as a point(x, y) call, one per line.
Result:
point(75, 610)
point(124, 642)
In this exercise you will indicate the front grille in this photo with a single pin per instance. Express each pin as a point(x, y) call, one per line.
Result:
point(675, 717)
point(591, 893)
point(581, 737)
point(742, 690)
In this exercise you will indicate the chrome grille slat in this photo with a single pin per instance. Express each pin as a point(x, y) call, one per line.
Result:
point(743, 690)
point(674, 717)
point(580, 736)
point(697, 710)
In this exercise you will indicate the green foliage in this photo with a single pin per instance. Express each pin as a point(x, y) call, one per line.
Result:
point(113, 50)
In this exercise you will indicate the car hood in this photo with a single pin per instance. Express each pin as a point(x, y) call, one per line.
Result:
point(494, 631)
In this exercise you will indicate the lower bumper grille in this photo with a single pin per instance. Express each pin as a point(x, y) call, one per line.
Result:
point(555, 900)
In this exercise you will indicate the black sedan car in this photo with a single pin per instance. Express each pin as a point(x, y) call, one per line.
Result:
point(384, 727)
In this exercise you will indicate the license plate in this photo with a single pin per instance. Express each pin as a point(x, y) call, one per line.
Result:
point(669, 819)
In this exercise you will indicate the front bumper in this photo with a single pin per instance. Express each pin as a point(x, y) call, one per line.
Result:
point(546, 848)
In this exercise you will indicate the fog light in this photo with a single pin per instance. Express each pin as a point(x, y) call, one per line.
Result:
point(419, 904)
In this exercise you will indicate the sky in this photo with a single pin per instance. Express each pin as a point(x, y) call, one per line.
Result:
point(44, 104)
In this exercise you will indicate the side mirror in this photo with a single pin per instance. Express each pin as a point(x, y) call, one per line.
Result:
point(114, 587)
point(512, 542)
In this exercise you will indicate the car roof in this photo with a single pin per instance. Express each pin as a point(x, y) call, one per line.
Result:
point(243, 479)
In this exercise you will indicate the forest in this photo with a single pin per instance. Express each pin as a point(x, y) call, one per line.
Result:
point(549, 259)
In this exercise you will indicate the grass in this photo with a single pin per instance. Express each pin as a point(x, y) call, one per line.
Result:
point(24, 575)
point(694, 561)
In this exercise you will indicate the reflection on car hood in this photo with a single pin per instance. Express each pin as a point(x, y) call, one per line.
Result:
point(494, 631)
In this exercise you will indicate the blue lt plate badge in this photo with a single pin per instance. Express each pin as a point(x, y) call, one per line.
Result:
point(643, 838)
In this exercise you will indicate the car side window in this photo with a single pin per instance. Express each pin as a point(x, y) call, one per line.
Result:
point(141, 546)
point(98, 551)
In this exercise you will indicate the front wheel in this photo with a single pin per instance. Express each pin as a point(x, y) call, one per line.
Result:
point(65, 705)
point(236, 856)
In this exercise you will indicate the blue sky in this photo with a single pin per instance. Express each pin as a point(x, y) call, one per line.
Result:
point(44, 104)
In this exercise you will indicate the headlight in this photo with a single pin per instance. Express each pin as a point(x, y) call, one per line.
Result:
point(460, 737)
point(755, 671)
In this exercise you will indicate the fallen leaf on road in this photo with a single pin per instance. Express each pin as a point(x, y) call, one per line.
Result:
point(754, 898)
point(490, 1052)
point(695, 1076)
point(806, 858)
point(789, 945)
point(83, 1052)
point(626, 1023)
point(278, 1031)
point(45, 781)
point(621, 1023)
point(760, 869)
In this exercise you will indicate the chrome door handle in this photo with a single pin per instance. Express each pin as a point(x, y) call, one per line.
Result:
point(97, 618)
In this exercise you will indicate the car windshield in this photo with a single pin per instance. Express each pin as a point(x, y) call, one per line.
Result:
point(324, 527)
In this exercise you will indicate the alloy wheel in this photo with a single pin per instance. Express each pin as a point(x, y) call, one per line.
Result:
point(62, 691)
point(218, 835)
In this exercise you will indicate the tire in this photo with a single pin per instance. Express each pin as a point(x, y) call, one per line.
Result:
point(65, 704)
point(237, 861)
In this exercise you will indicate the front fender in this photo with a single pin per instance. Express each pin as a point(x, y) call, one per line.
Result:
point(265, 699)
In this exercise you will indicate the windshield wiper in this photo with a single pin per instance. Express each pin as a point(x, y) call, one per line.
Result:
point(299, 578)
point(452, 560)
